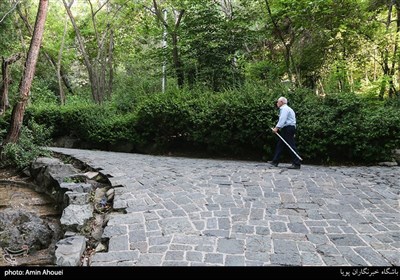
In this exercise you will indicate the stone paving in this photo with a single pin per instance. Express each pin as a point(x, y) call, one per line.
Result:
point(173, 211)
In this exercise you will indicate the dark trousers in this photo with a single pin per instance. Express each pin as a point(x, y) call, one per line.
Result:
point(287, 133)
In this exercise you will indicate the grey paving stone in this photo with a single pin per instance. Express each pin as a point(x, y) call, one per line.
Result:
point(180, 247)
point(116, 256)
point(351, 256)
point(258, 244)
point(243, 229)
point(234, 260)
point(118, 243)
point(216, 233)
point(346, 240)
point(278, 227)
point(194, 256)
point(335, 260)
point(150, 260)
point(152, 225)
point(174, 255)
point(297, 228)
point(311, 259)
point(230, 246)
point(142, 246)
point(371, 256)
point(159, 240)
point(157, 249)
point(292, 259)
point(200, 212)
point(175, 263)
point(176, 225)
point(114, 231)
point(262, 230)
point(213, 258)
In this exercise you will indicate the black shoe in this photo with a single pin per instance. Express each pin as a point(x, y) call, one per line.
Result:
point(273, 163)
point(294, 166)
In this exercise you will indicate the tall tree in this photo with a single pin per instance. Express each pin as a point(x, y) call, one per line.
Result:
point(314, 37)
point(212, 37)
point(173, 31)
point(27, 78)
point(4, 103)
point(286, 42)
point(61, 76)
point(390, 52)
point(99, 62)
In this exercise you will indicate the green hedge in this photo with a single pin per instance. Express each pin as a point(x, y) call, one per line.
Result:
point(342, 128)
point(337, 128)
point(97, 126)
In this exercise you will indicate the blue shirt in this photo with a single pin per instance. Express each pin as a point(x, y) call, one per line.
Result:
point(286, 116)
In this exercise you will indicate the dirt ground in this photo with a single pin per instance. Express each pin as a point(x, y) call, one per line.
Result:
point(16, 192)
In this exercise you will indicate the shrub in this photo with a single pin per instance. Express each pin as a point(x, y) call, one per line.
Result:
point(235, 123)
point(29, 146)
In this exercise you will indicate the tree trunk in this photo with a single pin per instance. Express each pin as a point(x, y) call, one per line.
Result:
point(59, 74)
point(289, 60)
point(395, 92)
point(388, 69)
point(96, 68)
point(29, 71)
point(4, 104)
point(50, 59)
point(110, 62)
point(177, 62)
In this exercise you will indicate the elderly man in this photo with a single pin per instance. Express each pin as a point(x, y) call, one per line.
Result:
point(287, 128)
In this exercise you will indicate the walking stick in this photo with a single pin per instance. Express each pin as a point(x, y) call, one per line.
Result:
point(287, 144)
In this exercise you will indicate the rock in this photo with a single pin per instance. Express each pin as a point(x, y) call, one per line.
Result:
point(77, 187)
point(100, 248)
point(110, 194)
point(396, 156)
point(91, 175)
point(70, 250)
point(75, 216)
point(77, 198)
point(18, 228)
point(388, 163)
point(48, 174)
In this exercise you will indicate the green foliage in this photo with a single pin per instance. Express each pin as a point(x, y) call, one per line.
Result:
point(30, 145)
point(381, 128)
point(209, 43)
point(40, 93)
point(264, 71)
point(100, 126)
point(131, 89)
point(343, 128)
point(47, 115)
point(3, 126)
point(9, 42)
point(234, 59)
point(329, 127)
point(162, 119)
point(234, 123)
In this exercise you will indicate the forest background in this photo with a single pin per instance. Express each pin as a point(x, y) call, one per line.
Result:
point(200, 77)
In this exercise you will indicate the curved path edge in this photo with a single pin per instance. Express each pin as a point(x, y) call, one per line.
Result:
point(174, 211)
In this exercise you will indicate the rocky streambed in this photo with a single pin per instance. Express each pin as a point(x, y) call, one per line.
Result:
point(29, 222)
point(54, 214)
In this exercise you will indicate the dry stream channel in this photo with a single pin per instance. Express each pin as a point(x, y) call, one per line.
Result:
point(29, 222)
point(35, 224)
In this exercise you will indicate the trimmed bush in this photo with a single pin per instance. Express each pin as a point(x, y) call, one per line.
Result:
point(337, 128)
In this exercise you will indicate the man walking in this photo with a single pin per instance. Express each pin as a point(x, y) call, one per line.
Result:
point(287, 127)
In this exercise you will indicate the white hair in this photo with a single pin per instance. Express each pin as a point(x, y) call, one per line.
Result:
point(283, 99)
